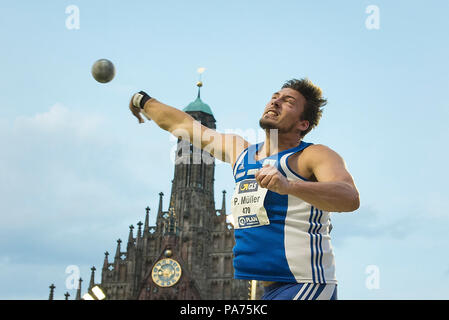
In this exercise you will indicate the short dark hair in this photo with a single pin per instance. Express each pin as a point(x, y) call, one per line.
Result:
point(315, 102)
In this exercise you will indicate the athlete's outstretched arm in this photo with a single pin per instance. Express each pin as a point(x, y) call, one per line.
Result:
point(225, 147)
point(334, 190)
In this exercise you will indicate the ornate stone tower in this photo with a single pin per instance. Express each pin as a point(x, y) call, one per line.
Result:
point(193, 196)
point(188, 253)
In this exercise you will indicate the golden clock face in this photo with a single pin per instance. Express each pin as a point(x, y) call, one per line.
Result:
point(166, 272)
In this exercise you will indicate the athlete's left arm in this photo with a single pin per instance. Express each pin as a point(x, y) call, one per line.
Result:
point(334, 190)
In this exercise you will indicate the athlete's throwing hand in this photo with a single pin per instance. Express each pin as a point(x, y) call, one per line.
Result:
point(135, 111)
point(136, 105)
point(269, 177)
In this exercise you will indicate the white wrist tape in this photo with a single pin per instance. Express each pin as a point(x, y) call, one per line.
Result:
point(140, 98)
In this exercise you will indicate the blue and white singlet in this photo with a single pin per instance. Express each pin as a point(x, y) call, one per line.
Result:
point(278, 237)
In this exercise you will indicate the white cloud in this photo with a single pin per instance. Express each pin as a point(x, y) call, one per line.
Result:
point(71, 184)
point(60, 120)
point(63, 165)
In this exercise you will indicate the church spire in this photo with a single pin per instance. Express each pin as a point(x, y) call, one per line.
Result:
point(223, 203)
point(92, 278)
point(117, 251)
point(198, 105)
point(130, 237)
point(199, 84)
point(139, 229)
point(52, 292)
point(159, 211)
point(146, 228)
point(106, 262)
point(78, 291)
point(139, 235)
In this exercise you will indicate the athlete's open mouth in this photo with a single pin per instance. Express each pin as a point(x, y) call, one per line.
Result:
point(271, 113)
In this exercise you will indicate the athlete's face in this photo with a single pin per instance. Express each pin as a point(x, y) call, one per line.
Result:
point(283, 112)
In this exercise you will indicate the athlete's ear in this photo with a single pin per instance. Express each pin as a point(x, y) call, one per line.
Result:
point(303, 125)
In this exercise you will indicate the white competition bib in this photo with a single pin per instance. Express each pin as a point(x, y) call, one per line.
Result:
point(247, 205)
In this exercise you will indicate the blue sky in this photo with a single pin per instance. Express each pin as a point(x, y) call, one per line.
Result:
point(76, 169)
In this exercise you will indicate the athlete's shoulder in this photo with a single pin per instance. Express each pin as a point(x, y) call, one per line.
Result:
point(317, 147)
point(318, 154)
point(319, 150)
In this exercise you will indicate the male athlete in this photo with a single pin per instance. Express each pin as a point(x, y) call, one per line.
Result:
point(285, 191)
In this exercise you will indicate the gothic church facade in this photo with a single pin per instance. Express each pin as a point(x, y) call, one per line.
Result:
point(188, 253)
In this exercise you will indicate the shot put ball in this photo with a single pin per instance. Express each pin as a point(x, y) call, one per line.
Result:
point(103, 70)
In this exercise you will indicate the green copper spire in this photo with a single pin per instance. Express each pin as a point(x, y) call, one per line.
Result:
point(198, 104)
